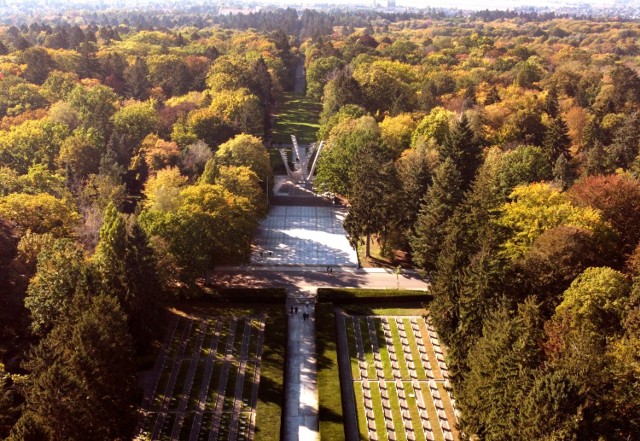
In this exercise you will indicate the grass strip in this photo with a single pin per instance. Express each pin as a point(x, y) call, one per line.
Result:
point(329, 390)
point(225, 424)
point(382, 348)
point(396, 412)
point(353, 350)
point(212, 394)
point(378, 412)
point(397, 344)
point(205, 426)
point(230, 389)
point(416, 422)
point(271, 390)
point(223, 337)
point(192, 339)
point(356, 295)
point(431, 412)
point(209, 335)
point(239, 337)
point(165, 376)
point(187, 425)
point(178, 388)
point(167, 427)
point(177, 338)
point(247, 387)
point(194, 396)
point(253, 339)
point(415, 353)
point(366, 347)
point(362, 417)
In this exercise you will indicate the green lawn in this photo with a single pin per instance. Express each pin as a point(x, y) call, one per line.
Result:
point(297, 116)
point(271, 389)
point(331, 426)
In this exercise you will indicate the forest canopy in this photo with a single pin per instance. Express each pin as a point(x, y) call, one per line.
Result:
point(500, 150)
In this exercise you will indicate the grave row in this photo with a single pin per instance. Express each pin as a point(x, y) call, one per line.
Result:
point(433, 336)
point(408, 357)
point(190, 362)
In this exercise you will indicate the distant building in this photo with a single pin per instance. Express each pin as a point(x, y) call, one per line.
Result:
point(384, 3)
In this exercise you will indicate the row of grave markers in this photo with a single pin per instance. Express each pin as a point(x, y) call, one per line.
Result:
point(406, 349)
point(238, 425)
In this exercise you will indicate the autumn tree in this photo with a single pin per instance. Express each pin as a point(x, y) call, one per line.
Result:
point(38, 64)
point(136, 120)
point(522, 165)
point(335, 166)
point(136, 79)
point(617, 197)
point(538, 207)
point(318, 74)
point(61, 272)
point(396, 131)
point(341, 90)
point(40, 213)
point(245, 150)
point(434, 126)
point(95, 107)
point(80, 154)
point(239, 109)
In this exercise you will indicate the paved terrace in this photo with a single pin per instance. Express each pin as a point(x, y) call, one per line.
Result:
point(300, 236)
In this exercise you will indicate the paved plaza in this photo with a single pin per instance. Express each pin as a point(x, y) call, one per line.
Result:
point(303, 235)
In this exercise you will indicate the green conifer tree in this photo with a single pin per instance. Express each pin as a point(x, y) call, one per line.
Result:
point(465, 152)
point(438, 204)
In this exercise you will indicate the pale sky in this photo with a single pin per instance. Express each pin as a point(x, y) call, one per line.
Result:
point(460, 4)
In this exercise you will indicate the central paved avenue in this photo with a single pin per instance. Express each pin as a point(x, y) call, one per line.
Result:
point(299, 242)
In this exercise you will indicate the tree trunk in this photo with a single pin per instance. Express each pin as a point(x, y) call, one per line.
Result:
point(368, 247)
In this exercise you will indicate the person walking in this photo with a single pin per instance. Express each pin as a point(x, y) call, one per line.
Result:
point(296, 309)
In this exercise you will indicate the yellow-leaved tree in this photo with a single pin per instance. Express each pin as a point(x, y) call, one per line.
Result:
point(538, 207)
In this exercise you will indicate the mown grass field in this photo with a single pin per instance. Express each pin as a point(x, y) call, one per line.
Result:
point(331, 424)
point(296, 116)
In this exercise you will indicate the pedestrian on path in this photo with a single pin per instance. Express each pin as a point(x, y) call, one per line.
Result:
point(292, 310)
point(296, 309)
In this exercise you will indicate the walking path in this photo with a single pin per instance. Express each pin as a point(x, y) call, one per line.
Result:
point(301, 393)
